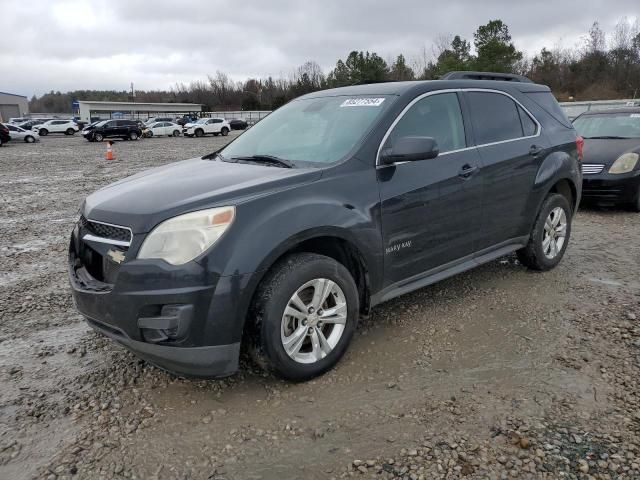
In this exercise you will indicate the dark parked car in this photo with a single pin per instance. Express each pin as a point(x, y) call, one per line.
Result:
point(125, 129)
point(5, 135)
point(32, 123)
point(611, 168)
point(337, 202)
point(238, 124)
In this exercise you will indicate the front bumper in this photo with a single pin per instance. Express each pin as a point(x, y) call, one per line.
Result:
point(183, 319)
point(605, 188)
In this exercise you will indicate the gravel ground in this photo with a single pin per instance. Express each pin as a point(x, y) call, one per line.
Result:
point(496, 373)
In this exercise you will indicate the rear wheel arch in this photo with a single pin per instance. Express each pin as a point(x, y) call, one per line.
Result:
point(567, 189)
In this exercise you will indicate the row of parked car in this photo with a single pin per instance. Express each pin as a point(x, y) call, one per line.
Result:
point(30, 131)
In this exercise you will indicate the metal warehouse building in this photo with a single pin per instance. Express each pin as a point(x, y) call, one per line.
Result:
point(87, 109)
point(12, 105)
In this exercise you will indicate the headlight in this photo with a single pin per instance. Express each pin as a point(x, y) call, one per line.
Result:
point(625, 163)
point(181, 239)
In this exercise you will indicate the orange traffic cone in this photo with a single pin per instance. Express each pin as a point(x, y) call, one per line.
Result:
point(109, 154)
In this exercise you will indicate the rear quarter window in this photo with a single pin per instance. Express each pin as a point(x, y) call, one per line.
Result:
point(549, 104)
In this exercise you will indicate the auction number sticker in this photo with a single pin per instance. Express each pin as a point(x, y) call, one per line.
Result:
point(362, 102)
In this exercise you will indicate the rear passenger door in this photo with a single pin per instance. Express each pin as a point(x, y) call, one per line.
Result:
point(511, 149)
point(430, 208)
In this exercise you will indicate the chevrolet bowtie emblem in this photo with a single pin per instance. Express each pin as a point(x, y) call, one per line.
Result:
point(116, 255)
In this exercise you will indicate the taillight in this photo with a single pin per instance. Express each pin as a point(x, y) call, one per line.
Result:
point(580, 147)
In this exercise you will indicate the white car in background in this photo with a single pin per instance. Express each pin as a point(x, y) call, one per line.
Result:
point(18, 120)
point(164, 128)
point(68, 127)
point(21, 134)
point(206, 126)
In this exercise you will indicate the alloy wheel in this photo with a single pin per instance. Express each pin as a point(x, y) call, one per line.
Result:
point(555, 233)
point(314, 320)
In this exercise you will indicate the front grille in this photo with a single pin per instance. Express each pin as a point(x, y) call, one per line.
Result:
point(592, 168)
point(102, 230)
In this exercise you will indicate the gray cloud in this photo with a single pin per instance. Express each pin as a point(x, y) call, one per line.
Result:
point(73, 44)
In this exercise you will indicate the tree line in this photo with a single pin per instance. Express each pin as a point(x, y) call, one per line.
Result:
point(602, 67)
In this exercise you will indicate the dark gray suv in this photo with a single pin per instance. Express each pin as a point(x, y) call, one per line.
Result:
point(336, 202)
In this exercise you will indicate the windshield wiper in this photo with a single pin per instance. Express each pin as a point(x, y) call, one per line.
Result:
point(270, 159)
point(215, 156)
point(607, 137)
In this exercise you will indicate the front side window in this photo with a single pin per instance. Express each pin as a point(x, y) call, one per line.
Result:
point(320, 130)
point(436, 116)
point(495, 117)
point(609, 125)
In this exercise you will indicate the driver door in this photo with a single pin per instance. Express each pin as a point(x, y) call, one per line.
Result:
point(430, 208)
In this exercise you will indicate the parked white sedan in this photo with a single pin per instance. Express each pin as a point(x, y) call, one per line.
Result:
point(164, 128)
point(18, 133)
point(68, 127)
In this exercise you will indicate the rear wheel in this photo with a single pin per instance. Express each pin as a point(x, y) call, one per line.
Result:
point(306, 311)
point(133, 136)
point(224, 131)
point(176, 133)
point(70, 131)
point(43, 132)
point(550, 235)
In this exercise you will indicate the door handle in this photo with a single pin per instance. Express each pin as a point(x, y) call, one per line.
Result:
point(535, 150)
point(467, 170)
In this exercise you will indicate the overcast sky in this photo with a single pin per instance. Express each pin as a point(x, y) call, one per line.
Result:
point(67, 45)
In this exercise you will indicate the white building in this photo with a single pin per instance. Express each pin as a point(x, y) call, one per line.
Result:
point(12, 106)
point(88, 109)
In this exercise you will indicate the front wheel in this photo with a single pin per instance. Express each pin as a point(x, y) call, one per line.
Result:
point(98, 137)
point(29, 139)
point(199, 133)
point(305, 312)
point(550, 235)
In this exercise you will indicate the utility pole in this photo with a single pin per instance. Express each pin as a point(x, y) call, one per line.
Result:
point(133, 95)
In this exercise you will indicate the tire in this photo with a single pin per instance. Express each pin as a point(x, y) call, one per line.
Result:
point(98, 137)
point(43, 132)
point(224, 131)
point(215, 134)
point(199, 133)
point(133, 136)
point(70, 131)
point(176, 133)
point(29, 139)
point(538, 256)
point(149, 134)
point(296, 274)
point(635, 206)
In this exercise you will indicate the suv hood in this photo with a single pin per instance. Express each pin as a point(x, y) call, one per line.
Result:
point(606, 151)
point(148, 198)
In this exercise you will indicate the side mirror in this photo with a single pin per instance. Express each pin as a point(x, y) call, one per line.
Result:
point(409, 149)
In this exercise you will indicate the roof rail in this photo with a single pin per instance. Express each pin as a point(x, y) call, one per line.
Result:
point(505, 77)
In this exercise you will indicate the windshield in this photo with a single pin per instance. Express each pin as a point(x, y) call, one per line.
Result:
point(624, 125)
point(202, 120)
point(317, 130)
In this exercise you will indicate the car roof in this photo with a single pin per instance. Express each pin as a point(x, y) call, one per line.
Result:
point(422, 86)
point(612, 110)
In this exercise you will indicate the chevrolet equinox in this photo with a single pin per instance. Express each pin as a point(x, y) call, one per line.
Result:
point(336, 202)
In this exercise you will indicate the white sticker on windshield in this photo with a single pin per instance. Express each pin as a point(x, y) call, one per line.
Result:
point(635, 115)
point(362, 102)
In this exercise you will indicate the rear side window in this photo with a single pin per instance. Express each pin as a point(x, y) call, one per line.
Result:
point(528, 125)
point(494, 116)
point(549, 104)
point(437, 116)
